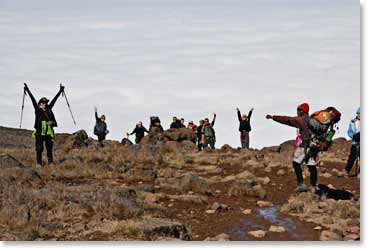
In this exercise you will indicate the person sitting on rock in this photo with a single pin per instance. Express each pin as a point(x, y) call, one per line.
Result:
point(139, 132)
point(175, 123)
point(245, 128)
point(208, 131)
point(182, 122)
point(44, 124)
point(100, 129)
point(354, 133)
point(303, 140)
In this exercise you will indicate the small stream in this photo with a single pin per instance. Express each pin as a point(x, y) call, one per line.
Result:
point(270, 214)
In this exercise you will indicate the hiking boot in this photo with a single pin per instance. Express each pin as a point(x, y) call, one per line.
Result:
point(301, 188)
point(39, 166)
point(343, 173)
point(313, 189)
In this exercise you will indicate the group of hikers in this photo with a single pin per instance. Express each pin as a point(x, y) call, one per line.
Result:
point(314, 133)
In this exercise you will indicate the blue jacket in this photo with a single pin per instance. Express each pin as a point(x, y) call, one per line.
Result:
point(352, 130)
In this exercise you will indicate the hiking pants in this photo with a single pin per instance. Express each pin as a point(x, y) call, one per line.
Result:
point(49, 142)
point(138, 139)
point(354, 154)
point(298, 159)
point(245, 139)
point(209, 141)
point(200, 146)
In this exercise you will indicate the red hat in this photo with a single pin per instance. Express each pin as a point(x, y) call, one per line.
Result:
point(304, 107)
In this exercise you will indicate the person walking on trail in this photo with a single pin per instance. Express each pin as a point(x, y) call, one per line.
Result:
point(354, 133)
point(44, 124)
point(245, 128)
point(208, 131)
point(139, 132)
point(100, 129)
point(175, 123)
point(302, 143)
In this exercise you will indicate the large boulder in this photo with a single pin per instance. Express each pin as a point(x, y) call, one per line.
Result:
point(190, 182)
point(179, 134)
point(77, 140)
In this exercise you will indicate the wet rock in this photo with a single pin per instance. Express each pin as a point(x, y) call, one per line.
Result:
point(277, 229)
point(247, 211)
point(257, 234)
point(330, 236)
point(264, 204)
point(219, 237)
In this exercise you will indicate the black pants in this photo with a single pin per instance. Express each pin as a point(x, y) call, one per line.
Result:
point(101, 138)
point(49, 142)
point(138, 139)
point(354, 154)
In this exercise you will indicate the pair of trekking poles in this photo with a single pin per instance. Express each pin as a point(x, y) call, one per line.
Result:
point(67, 103)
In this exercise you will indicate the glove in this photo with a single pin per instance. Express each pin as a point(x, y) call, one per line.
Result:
point(62, 88)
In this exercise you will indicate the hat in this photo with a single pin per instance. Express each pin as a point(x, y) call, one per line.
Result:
point(358, 110)
point(304, 107)
point(43, 100)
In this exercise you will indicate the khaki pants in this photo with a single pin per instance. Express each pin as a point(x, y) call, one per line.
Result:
point(299, 157)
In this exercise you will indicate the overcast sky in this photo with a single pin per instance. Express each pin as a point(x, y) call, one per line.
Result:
point(138, 58)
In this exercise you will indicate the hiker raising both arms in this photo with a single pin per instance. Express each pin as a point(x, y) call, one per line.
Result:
point(354, 133)
point(245, 128)
point(44, 124)
point(139, 132)
point(100, 129)
point(208, 133)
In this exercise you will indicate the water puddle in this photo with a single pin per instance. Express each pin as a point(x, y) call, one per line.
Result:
point(271, 215)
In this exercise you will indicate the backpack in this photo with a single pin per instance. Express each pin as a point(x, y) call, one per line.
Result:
point(100, 128)
point(321, 125)
point(209, 131)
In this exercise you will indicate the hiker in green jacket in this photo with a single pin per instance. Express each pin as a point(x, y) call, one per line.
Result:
point(45, 122)
point(208, 133)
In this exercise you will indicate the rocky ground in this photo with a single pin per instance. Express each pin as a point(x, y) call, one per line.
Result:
point(164, 189)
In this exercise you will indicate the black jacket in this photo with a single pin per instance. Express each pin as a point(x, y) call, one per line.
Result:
point(139, 131)
point(244, 125)
point(100, 129)
point(43, 115)
point(176, 124)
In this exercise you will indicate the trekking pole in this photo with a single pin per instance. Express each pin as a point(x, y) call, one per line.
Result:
point(67, 102)
point(21, 113)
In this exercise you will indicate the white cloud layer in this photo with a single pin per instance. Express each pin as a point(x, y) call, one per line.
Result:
point(134, 59)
